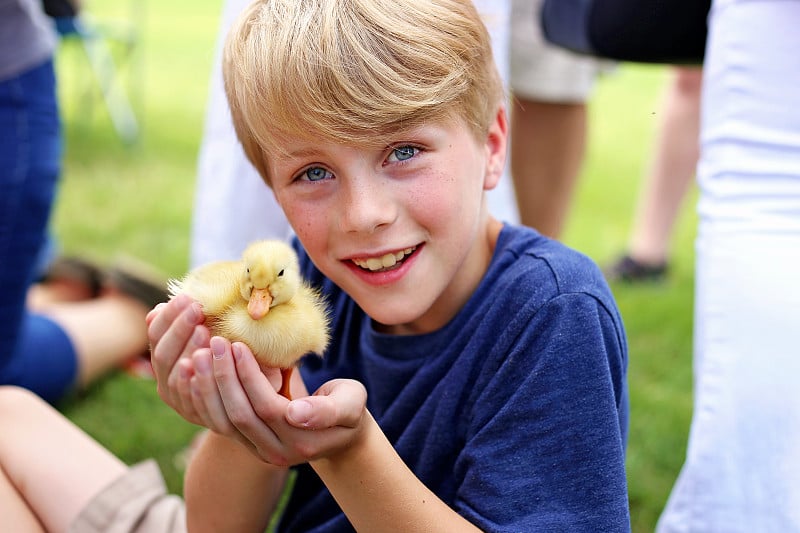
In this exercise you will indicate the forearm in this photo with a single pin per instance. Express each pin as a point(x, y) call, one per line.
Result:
point(229, 489)
point(378, 492)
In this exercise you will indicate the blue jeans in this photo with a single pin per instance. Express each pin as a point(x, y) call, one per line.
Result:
point(36, 353)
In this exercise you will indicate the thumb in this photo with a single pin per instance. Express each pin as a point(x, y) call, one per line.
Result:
point(340, 402)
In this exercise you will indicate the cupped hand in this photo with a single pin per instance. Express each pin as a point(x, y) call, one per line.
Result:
point(176, 331)
point(235, 397)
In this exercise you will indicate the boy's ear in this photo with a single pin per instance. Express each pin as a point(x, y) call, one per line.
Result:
point(496, 146)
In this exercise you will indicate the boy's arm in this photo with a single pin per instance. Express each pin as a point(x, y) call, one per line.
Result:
point(335, 433)
point(229, 489)
point(233, 485)
point(378, 492)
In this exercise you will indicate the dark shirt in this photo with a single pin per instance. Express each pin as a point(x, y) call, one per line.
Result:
point(515, 413)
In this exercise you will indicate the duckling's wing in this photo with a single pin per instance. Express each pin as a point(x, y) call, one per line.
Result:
point(314, 319)
point(215, 285)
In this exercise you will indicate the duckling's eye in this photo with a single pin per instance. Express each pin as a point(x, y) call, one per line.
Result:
point(280, 273)
point(403, 153)
point(248, 270)
point(315, 174)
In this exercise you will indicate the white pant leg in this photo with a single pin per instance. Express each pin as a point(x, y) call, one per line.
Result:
point(742, 470)
point(233, 206)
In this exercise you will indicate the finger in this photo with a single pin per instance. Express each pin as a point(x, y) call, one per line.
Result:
point(234, 399)
point(198, 341)
point(178, 331)
point(199, 406)
point(184, 335)
point(164, 314)
point(239, 406)
point(211, 418)
point(153, 313)
point(206, 394)
point(261, 385)
point(338, 403)
point(182, 398)
point(169, 332)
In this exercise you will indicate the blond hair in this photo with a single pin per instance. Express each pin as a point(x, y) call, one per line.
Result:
point(355, 71)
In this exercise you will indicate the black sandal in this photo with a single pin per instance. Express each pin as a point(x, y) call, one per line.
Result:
point(138, 280)
point(78, 271)
point(628, 269)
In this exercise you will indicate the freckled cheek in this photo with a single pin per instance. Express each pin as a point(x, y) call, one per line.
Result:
point(436, 199)
point(308, 224)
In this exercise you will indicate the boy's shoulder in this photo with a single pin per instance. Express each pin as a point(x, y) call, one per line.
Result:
point(542, 266)
point(526, 267)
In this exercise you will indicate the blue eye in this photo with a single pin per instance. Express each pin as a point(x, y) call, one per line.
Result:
point(316, 174)
point(403, 153)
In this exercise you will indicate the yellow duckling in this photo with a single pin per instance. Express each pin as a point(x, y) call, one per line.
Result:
point(261, 300)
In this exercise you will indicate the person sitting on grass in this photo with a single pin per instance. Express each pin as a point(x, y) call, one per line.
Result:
point(69, 330)
point(479, 383)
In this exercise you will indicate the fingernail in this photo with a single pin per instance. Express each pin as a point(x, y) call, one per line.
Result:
point(196, 311)
point(299, 412)
point(217, 347)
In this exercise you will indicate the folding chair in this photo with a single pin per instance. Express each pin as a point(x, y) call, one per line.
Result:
point(73, 23)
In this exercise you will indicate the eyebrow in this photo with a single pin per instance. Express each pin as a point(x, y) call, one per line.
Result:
point(304, 152)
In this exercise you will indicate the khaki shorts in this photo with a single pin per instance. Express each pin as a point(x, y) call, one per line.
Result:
point(137, 502)
point(544, 72)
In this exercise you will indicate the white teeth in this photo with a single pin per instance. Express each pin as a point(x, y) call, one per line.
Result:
point(374, 263)
point(386, 261)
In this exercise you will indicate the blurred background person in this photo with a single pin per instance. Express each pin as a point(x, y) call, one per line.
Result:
point(742, 464)
point(666, 183)
point(71, 336)
point(550, 87)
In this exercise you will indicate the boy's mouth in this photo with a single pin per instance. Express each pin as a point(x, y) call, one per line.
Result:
point(384, 262)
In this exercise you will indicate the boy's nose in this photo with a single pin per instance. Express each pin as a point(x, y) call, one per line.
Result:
point(369, 205)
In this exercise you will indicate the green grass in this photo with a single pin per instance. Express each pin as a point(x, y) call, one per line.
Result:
point(137, 200)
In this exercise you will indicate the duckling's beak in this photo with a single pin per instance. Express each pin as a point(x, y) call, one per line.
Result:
point(258, 306)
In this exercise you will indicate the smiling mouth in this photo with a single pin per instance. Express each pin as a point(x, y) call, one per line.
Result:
point(385, 262)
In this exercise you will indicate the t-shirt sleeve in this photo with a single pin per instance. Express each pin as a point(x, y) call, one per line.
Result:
point(544, 446)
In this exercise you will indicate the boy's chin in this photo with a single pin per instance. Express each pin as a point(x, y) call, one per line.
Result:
point(386, 319)
point(396, 324)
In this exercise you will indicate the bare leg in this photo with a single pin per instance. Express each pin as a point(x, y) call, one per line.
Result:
point(548, 142)
point(672, 168)
point(42, 295)
point(49, 466)
point(106, 331)
point(15, 515)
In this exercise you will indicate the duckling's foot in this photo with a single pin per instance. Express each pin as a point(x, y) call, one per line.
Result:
point(286, 376)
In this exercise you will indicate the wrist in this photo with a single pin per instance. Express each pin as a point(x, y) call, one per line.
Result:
point(365, 435)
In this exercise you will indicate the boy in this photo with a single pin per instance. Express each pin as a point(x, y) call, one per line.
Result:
point(476, 375)
point(478, 381)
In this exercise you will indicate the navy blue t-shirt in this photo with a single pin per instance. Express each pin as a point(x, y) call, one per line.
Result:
point(515, 413)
